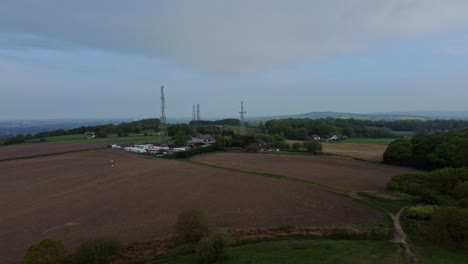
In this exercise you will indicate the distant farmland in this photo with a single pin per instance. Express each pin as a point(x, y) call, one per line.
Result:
point(362, 151)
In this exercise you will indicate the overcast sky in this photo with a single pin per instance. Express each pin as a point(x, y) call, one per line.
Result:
point(85, 59)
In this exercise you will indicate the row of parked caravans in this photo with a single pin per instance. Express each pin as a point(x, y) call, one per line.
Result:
point(148, 148)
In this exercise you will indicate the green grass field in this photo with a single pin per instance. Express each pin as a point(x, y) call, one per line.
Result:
point(406, 134)
point(436, 255)
point(248, 130)
point(304, 251)
point(376, 141)
point(133, 138)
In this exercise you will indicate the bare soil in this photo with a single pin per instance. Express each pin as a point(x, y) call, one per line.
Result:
point(338, 172)
point(31, 150)
point(77, 196)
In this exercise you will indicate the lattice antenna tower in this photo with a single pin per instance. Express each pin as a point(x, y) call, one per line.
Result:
point(242, 120)
point(198, 115)
point(163, 126)
point(194, 128)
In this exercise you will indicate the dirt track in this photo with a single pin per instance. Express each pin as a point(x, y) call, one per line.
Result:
point(343, 173)
point(29, 150)
point(77, 196)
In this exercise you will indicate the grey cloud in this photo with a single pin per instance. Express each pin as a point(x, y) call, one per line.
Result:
point(230, 36)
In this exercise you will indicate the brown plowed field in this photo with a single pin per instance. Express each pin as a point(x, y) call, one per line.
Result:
point(342, 173)
point(30, 150)
point(78, 195)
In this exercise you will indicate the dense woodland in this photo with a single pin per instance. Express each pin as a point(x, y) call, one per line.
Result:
point(430, 151)
point(303, 129)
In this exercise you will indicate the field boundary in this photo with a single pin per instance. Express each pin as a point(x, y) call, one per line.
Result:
point(321, 186)
point(51, 154)
point(150, 251)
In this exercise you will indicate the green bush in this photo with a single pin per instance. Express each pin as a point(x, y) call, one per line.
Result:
point(461, 190)
point(96, 251)
point(47, 251)
point(430, 197)
point(420, 212)
point(192, 225)
point(410, 183)
point(399, 152)
point(213, 248)
point(449, 227)
point(463, 203)
point(18, 139)
point(436, 187)
point(296, 145)
point(280, 145)
point(444, 180)
point(313, 147)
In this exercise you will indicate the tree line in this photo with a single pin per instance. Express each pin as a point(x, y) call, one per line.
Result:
point(303, 129)
point(430, 151)
point(221, 122)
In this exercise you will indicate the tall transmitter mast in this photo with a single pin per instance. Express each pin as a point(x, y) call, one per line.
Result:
point(242, 120)
point(163, 126)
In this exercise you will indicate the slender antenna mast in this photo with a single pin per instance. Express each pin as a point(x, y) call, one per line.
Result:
point(163, 126)
point(194, 128)
point(198, 115)
point(242, 120)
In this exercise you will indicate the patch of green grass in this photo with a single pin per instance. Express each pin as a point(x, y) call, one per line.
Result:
point(406, 134)
point(304, 251)
point(436, 255)
point(392, 206)
point(376, 141)
point(248, 130)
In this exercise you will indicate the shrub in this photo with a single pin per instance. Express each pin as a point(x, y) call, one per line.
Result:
point(430, 197)
point(399, 152)
point(213, 247)
point(444, 180)
point(96, 251)
point(313, 147)
point(463, 203)
point(296, 145)
point(47, 251)
point(410, 183)
point(18, 139)
point(280, 145)
point(449, 226)
point(461, 190)
point(192, 225)
point(420, 212)
point(193, 152)
point(433, 187)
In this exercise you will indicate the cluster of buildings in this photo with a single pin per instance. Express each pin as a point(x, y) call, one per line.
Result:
point(201, 141)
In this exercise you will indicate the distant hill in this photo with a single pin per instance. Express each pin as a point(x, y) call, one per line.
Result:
point(388, 116)
point(12, 127)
